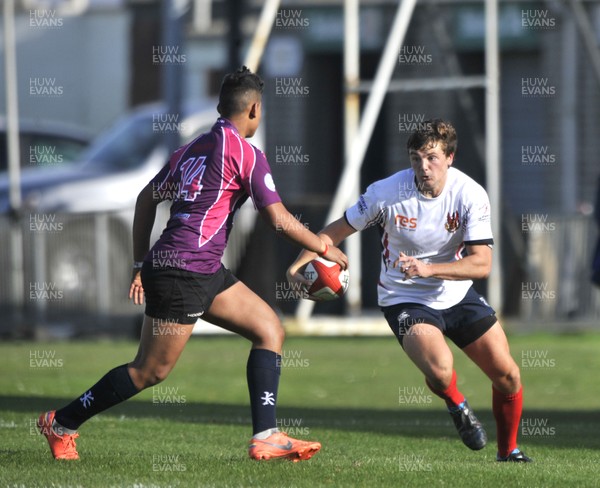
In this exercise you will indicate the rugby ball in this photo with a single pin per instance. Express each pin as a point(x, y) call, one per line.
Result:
point(328, 280)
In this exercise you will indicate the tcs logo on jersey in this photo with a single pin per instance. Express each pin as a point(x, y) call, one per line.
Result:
point(404, 222)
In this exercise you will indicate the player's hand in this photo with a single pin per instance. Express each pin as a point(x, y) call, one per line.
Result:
point(412, 267)
point(336, 255)
point(136, 290)
point(296, 277)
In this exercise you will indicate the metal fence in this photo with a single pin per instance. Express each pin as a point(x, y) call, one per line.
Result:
point(74, 275)
point(559, 256)
point(76, 272)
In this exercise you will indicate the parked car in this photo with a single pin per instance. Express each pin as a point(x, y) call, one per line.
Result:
point(112, 170)
point(44, 143)
point(88, 251)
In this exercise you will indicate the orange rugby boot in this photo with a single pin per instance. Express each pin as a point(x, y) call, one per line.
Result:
point(280, 446)
point(62, 446)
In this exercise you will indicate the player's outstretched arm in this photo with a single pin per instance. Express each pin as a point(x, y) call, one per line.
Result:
point(333, 234)
point(284, 223)
point(143, 221)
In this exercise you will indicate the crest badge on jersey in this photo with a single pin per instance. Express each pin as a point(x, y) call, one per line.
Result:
point(452, 222)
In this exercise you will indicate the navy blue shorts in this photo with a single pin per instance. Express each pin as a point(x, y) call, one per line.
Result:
point(463, 323)
point(182, 296)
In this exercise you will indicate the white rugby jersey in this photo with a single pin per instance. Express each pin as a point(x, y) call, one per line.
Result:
point(434, 230)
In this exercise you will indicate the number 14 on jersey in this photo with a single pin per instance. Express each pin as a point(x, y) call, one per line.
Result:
point(192, 171)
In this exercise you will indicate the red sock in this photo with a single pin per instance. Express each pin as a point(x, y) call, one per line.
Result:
point(451, 395)
point(507, 409)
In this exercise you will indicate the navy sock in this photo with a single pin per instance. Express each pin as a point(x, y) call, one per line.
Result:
point(113, 388)
point(262, 371)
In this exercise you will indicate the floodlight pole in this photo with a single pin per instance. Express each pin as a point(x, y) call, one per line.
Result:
point(492, 153)
point(351, 124)
point(172, 72)
point(14, 163)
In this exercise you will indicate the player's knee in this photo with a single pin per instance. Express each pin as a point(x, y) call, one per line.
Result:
point(440, 376)
point(276, 332)
point(270, 335)
point(513, 378)
point(145, 377)
point(159, 374)
point(279, 333)
point(509, 381)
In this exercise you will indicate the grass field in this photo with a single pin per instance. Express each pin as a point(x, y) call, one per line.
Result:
point(360, 397)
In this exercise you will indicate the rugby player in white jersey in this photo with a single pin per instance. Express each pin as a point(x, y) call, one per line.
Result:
point(436, 238)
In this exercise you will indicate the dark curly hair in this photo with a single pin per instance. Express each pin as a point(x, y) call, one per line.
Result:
point(238, 89)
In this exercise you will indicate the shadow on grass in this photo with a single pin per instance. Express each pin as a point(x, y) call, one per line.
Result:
point(558, 428)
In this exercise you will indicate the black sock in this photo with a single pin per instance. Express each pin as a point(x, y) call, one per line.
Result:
point(113, 388)
point(262, 371)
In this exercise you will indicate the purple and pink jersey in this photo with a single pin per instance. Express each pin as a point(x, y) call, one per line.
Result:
point(208, 180)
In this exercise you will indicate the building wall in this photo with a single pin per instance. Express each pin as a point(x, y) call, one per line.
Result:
point(72, 69)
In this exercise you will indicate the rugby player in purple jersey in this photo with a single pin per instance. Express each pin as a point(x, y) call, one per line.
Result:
point(207, 181)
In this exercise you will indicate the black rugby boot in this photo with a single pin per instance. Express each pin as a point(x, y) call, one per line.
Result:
point(469, 428)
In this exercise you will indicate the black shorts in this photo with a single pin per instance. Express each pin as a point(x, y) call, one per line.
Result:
point(182, 296)
point(463, 323)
